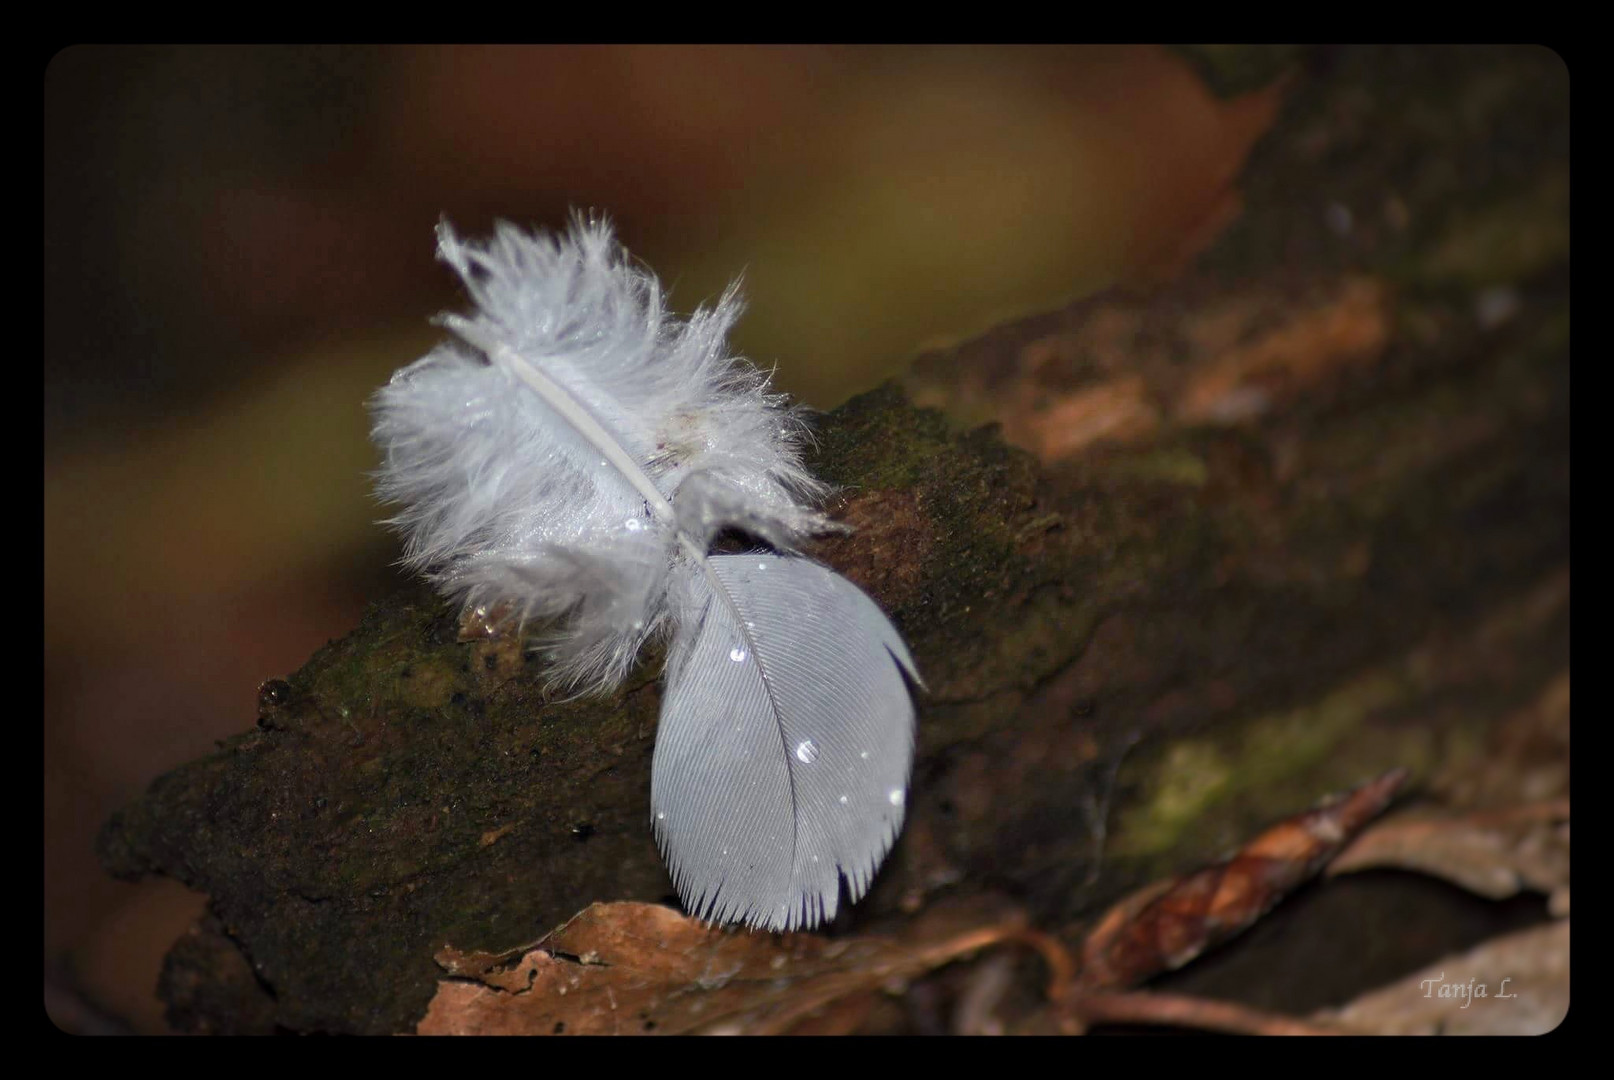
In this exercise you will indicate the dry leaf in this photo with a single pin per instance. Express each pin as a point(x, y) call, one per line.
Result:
point(1495, 854)
point(632, 968)
point(1512, 985)
point(1164, 926)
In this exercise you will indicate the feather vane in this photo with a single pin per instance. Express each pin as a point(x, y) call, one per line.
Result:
point(572, 453)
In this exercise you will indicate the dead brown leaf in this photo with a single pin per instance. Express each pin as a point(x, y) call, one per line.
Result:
point(1495, 854)
point(1167, 924)
point(1512, 985)
point(631, 968)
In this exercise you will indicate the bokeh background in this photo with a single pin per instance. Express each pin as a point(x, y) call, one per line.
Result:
point(238, 249)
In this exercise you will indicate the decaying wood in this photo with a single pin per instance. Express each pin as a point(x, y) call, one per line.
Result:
point(1288, 522)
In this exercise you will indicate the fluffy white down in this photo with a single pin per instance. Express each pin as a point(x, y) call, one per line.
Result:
point(501, 501)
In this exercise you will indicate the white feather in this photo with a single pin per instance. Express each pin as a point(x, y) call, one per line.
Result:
point(572, 456)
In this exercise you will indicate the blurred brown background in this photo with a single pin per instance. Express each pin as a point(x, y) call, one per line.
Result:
point(238, 248)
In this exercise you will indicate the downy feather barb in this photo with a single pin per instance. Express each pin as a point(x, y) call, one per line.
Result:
point(571, 454)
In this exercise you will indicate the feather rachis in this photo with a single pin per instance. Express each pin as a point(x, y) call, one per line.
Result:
point(572, 458)
point(490, 478)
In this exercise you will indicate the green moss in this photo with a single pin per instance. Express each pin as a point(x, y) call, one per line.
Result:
point(1186, 782)
point(876, 441)
point(1198, 791)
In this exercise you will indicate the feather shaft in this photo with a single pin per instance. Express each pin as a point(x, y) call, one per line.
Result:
point(576, 462)
point(571, 410)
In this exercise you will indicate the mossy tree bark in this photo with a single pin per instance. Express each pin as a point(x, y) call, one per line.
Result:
point(1298, 517)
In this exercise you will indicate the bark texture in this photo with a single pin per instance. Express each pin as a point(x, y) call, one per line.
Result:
point(1296, 518)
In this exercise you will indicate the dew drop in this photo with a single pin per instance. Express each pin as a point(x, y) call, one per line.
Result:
point(737, 654)
point(807, 751)
point(843, 800)
point(864, 755)
point(661, 815)
point(895, 796)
